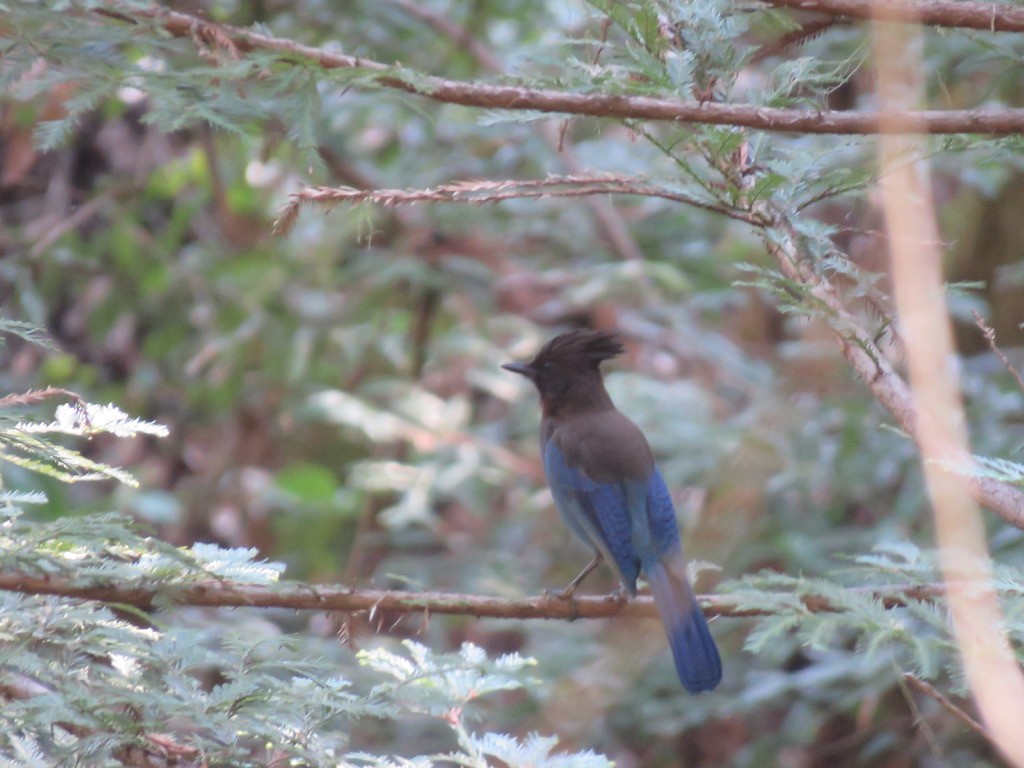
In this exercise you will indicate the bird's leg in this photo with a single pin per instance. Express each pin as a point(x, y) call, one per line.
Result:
point(571, 588)
point(567, 593)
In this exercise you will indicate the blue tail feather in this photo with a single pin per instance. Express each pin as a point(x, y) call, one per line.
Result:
point(693, 648)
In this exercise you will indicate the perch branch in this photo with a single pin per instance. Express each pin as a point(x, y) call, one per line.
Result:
point(305, 597)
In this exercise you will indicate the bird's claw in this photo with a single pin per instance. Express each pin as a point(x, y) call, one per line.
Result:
point(620, 596)
point(565, 595)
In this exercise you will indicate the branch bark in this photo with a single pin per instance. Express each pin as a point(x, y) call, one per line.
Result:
point(305, 597)
point(513, 97)
point(993, 17)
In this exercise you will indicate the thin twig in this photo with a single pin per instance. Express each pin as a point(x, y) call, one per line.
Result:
point(56, 230)
point(520, 98)
point(922, 686)
point(482, 191)
point(798, 36)
point(990, 337)
point(36, 396)
point(305, 597)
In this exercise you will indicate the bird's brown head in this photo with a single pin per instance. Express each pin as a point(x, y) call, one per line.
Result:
point(566, 369)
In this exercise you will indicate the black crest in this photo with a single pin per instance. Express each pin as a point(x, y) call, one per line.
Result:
point(578, 346)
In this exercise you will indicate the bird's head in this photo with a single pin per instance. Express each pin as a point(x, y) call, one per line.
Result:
point(567, 367)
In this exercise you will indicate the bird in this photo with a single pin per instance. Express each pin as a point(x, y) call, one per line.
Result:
point(612, 496)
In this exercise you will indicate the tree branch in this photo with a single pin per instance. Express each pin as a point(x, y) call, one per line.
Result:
point(922, 686)
point(993, 17)
point(36, 396)
point(871, 365)
point(482, 191)
point(513, 97)
point(798, 36)
point(305, 597)
point(990, 336)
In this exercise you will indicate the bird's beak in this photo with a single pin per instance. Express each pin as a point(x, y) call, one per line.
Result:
point(521, 368)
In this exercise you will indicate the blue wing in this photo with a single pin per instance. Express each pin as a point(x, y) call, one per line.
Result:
point(633, 524)
point(598, 513)
point(661, 517)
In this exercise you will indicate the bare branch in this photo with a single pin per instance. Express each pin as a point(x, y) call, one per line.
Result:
point(481, 191)
point(922, 686)
point(798, 36)
point(990, 336)
point(978, 622)
point(993, 17)
point(36, 396)
point(305, 597)
point(513, 97)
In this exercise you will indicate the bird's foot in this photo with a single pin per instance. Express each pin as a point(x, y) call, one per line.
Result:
point(565, 596)
point(620, 596)
point(562, 594)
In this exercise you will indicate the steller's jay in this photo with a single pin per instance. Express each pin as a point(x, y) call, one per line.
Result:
point(612, 496)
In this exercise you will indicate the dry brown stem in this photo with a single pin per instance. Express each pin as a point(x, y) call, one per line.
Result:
point(36, 396)
point(520, 98)
point(482, 191)
point(923, 686)
point(990, 336)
